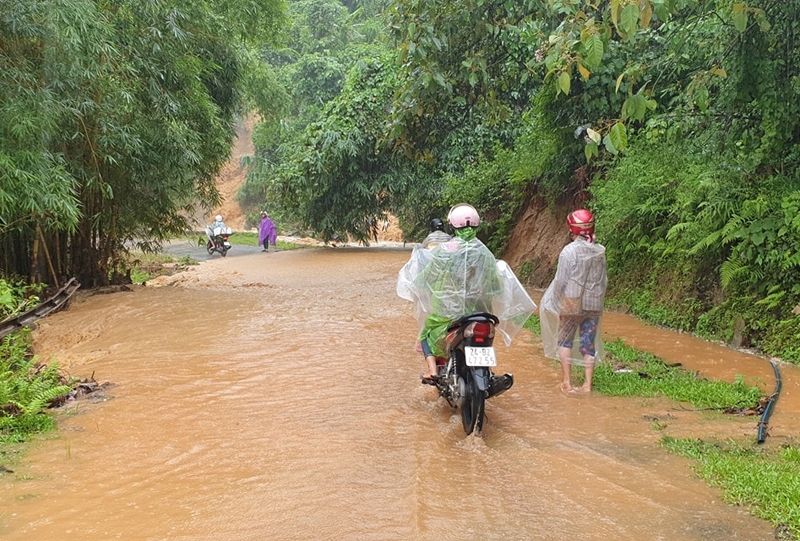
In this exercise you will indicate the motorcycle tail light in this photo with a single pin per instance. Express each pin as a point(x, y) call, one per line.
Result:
point(479, 332)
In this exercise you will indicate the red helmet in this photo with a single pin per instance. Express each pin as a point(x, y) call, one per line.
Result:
point(581, 222)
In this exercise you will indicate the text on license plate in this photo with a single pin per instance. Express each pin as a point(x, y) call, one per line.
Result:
point(480, 356)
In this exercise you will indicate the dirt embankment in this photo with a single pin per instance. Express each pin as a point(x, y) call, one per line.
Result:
point(537, 239)
point(229, 180)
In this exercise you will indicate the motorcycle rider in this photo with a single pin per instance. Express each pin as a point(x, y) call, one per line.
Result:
point(437, 234)
point(210, 230)
point(217, 222)
point(573, 303)
point(456, 278)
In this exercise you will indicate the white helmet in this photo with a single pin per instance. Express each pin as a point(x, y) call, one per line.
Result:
point(463, 215)
point(218, 217)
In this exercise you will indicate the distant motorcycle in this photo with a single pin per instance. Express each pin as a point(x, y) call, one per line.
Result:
point(218, 240)
point(465, 378)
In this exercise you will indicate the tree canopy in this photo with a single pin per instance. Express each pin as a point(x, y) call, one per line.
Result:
point(115, 116)
point(672, 119)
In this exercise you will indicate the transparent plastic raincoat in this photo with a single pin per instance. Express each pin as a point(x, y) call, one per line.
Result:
point(457, 278)
point(577, 292)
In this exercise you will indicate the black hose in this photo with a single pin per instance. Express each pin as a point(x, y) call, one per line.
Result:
point(762, 425)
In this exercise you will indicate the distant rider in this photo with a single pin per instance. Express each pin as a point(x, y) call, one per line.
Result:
point(217, 222)
point(211, 230)
point(437, 234)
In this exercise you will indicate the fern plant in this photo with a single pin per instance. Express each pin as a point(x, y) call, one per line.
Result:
point(27, 389)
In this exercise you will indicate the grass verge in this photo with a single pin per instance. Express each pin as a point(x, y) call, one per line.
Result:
point(146, 266)
point(764, 480)
point(242, 238)
point(248, 238)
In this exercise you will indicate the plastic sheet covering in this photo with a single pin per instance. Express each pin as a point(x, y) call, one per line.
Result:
point(460, 277)
point(577, 292)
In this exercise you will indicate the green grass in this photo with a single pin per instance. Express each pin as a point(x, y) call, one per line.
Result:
point(649, 376)
point(144, 267)
point(766, 481)
point(248, 238)
point(630, 372)
point(242, 238)
point(534, 324)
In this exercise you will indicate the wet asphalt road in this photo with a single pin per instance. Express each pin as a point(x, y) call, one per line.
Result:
point(197, 249)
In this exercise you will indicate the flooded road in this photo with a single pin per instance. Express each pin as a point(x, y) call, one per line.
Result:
point(277, 397)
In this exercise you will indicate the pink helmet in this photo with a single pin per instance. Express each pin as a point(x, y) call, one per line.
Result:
point(463, 215)
point(581, 222)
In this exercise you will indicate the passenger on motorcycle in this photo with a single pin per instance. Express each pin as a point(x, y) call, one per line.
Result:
point(456, 278)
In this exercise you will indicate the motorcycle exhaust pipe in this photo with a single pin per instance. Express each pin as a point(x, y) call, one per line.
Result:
point(500, 384)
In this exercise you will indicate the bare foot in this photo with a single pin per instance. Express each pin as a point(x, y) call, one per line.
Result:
point(583, 389)
point(567, 389)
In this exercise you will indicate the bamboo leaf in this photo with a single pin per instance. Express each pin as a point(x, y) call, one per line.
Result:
point(590, 151)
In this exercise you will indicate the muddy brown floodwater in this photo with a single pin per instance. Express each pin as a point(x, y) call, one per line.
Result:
point(277, 397)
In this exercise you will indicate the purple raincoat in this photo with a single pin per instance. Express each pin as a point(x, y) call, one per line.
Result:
point(267, 231)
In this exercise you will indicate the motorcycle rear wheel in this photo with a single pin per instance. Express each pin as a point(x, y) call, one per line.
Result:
point(473, 407)
point(210, 248)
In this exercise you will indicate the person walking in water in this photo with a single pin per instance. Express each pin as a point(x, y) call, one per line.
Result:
point(267, 232)
point(573, 303)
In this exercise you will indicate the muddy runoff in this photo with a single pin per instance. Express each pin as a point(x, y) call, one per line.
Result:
point(276, 396)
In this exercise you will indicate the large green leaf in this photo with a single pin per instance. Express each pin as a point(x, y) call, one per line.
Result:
point(593, 47)
point(739, 16)
point(618, 136)
point(564, 82)
point(629, 20)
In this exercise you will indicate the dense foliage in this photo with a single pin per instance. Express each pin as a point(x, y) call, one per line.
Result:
point(672, 119)
point(26, 386)
point(114, 116)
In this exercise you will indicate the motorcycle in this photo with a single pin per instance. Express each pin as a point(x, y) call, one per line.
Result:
point(218, 240)
point(465, 377)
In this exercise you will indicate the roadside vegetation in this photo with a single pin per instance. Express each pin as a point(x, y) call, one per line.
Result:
point(27, 387)
point(145, 266)
point(766, 481)
point(763, 479)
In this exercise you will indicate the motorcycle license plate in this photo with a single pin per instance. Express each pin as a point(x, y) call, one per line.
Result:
point(480, 356)
point(227, 244)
